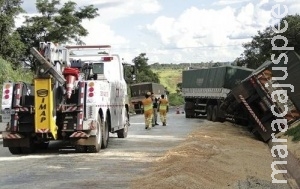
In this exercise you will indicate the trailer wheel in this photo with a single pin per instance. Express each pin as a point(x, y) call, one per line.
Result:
point(214, 116)
point(105, 136)
point(209, 112)
point(15, 150)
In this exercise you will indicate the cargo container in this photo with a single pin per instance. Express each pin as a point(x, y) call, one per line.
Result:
point(139, 90)
point(204, 90)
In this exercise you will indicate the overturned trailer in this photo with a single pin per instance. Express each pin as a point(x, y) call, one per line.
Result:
point(269, 97)
point(204, 90)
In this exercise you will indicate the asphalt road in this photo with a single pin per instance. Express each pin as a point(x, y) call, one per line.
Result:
point(113, 167)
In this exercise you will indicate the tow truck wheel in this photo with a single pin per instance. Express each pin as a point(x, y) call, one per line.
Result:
point(97, 139)
point(105, 136)
point(122, 133)
point(15, 150)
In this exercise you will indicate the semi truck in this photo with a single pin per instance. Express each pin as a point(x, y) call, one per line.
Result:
point(139, 90)
point(78, 95)
point(204, 90)
point(270, 96)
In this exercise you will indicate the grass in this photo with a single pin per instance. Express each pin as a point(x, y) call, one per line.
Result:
point(169, 78)
point(294, 133)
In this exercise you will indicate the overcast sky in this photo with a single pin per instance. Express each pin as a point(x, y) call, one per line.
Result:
point(175, 31)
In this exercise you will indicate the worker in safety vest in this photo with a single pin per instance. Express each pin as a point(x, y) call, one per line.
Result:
point(148, 110)
point(163, 104)
point(155, 108)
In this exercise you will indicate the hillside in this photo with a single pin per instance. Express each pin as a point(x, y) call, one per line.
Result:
point(170, 74)
point(169, 78)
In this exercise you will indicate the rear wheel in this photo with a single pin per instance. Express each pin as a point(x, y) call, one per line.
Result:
point(105, 136)
point(97, 139)
point(214, 116)
point(209, 112)
point(122, 133)
point(15, 150)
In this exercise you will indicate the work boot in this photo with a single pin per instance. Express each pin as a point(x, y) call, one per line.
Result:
point(164, 124)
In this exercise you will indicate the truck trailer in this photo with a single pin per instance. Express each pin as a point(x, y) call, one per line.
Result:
point(204, 90)
point(270, 96)
point(139, 90)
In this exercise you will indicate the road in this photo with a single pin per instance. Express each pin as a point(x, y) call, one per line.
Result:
point(113, 167)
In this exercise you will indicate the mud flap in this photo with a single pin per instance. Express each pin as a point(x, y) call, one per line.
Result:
point(44, 107)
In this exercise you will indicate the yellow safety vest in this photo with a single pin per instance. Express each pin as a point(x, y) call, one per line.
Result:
point(163, 103)
point(147, 103)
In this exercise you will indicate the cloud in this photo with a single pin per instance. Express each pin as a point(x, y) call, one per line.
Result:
point(211, 34)
point(102, 34)
point(167, 34)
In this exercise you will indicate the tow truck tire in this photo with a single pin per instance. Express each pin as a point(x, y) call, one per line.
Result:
point(15, 150)
point(122, 133)
point(97, 139)
point(105, 136)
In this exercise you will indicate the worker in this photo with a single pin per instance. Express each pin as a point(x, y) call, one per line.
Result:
point(155, 107)
point(163, 106)
point(148, 110)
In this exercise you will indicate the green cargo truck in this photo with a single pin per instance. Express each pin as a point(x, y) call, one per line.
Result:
point(204, 90)
point(139, 90)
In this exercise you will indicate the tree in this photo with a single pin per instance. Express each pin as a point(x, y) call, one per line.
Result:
point(56, 23)
point(143, 71)
point(11, 47)
point(260, 48)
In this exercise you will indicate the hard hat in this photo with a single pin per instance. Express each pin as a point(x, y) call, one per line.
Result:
point(148, 93)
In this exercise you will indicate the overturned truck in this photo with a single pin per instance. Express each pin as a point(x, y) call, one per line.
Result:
point(270, 96)
point(204, 90)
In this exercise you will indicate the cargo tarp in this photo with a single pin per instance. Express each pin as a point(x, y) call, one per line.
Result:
point(216, 77)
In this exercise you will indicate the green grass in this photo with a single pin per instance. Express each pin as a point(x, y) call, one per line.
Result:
point(294, 133)
point(169, 78)
point(9, 74)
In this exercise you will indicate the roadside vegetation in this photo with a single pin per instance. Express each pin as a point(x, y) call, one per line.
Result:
point(7, 73)
point(294, 132)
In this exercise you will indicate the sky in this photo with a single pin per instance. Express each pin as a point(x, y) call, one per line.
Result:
point(176, 31)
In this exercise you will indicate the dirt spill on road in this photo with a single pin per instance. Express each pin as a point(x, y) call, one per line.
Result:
point(214, 157)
